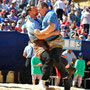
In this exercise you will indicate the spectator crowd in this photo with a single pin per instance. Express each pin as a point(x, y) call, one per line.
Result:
point(74, 21)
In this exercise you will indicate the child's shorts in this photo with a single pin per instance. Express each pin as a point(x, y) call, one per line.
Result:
point(38, 76)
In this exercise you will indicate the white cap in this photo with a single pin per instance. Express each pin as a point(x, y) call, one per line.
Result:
point(14, 1)
point(23, 11)
point(80, 36)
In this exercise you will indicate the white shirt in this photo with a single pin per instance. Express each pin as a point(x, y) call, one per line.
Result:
point(59, 5)
point(69, 57)
point(85, 18)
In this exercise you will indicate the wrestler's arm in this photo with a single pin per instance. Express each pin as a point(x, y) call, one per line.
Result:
point(44, 36)
point(49, 29)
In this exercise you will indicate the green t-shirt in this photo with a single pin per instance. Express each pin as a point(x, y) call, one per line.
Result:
point(80, 67)
point(35, 69)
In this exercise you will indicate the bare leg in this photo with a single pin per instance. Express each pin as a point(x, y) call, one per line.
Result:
point(57, 80)
point(33, 81)
point(75, 80)
point(79, 81)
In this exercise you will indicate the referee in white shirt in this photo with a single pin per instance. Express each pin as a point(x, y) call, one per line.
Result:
point(59, 7)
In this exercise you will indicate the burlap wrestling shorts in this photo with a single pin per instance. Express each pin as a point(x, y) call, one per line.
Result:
point(58, 42)
point(39, 46)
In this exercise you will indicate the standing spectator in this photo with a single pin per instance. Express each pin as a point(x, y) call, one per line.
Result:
point(85, 19)
point(72, 16)
point(80, 68)
point(59, 8)
point(28, 54)
point(35, 69)
point(69, 55)
point(78, 16)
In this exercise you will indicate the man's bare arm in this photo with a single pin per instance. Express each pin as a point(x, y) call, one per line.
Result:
point(49, 29)
point(44, 36)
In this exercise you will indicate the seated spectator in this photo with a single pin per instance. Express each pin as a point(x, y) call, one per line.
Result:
point(2, 27)
point(74, 25)
point(0, 5)
point(24, 30)
point(2, 16)
point(18, 27)
point(7, 26)
point(64, 20)
point(13, 6)
point(4, 5)
point(64, 32)
point(13, 26)
point(48, 2)
point(12, 16)
point(81, 37)
point(22, 5)
point(80, 29)
point(21, 20)
point(88, 39)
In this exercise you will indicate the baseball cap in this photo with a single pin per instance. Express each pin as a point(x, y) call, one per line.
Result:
point(23, 11)
point(80, 54)
point(67, 23)
point(80, 36)
point(1, 12)
point(14, 1)
point(82, 25)
point(4, 0)
point(12, 10)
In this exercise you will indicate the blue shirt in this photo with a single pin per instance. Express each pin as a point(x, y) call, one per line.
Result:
point(50, 17)
point(32, 24)
point(2, 19)
point(29, 50)
point(48, 3)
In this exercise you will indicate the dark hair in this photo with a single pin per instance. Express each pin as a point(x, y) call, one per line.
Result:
point(29, 7)
point(43, 4)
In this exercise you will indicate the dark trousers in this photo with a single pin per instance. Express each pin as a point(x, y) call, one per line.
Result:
point(60, 13)
point(28, 72)
point(86, 28)
point(67, 84)
point(26, 77)
point(57, 62)
point(54, 58)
